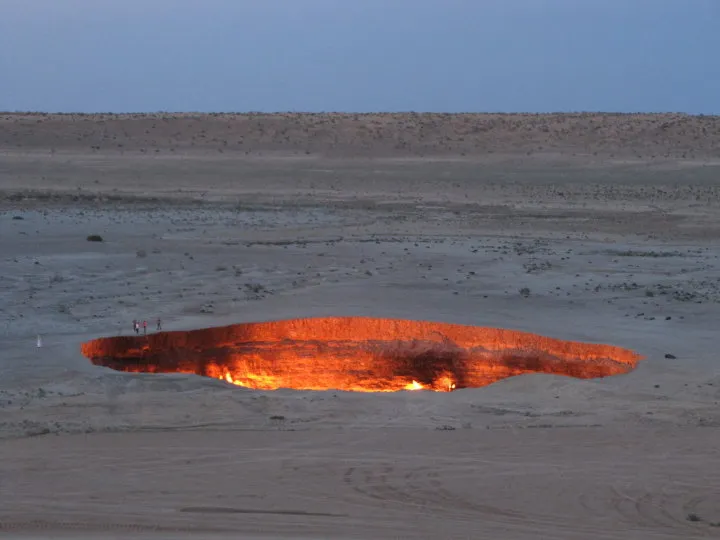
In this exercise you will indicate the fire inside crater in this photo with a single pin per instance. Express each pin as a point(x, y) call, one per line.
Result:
point(358, 354)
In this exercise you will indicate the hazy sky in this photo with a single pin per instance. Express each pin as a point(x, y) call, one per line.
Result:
point(360, 55)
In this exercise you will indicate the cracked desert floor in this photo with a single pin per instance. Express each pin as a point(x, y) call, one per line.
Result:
point(602, 229)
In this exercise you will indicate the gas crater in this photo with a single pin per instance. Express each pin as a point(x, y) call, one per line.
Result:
point(358, 354)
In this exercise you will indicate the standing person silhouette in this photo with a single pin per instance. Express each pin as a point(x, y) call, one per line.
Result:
point(159, 325)
point(144, 327)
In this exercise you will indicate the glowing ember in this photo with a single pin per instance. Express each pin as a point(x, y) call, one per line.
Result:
point(357, 354)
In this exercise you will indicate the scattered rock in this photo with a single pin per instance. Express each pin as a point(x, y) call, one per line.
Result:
point(670, 356)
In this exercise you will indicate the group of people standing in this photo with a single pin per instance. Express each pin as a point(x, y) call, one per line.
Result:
point(137, 324)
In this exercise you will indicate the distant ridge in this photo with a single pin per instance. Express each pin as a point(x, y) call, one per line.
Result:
point(621, 135)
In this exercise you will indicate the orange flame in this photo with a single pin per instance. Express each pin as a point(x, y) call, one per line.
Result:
point(357, 354)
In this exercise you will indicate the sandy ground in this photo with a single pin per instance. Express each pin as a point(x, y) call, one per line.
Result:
point(621, 253)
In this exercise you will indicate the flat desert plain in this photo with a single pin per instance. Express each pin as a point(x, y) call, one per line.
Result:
point(596, 228)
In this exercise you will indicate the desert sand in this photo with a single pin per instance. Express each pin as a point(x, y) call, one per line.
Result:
point(596, 228)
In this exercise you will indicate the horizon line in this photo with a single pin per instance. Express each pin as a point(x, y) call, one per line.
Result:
point(353, 113)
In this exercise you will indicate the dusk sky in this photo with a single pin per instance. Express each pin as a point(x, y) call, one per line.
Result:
point(360, 55)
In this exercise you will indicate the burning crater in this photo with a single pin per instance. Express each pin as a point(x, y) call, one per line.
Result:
point(358, 354)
